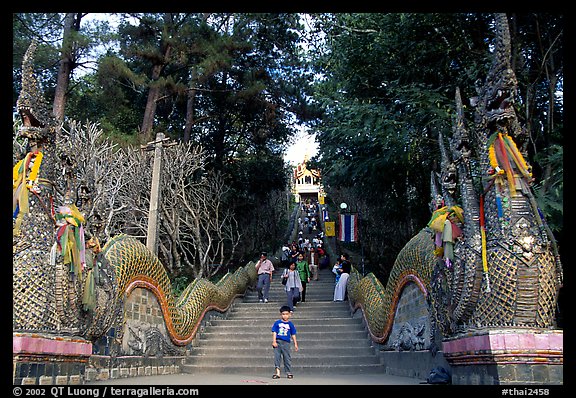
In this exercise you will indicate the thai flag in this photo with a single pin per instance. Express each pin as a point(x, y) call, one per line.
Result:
point(348, 230)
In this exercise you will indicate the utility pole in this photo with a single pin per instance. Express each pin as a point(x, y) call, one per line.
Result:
point(153, 213)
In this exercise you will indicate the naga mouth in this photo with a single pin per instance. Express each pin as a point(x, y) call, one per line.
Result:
point(32, 128)
point(28, 119)
point(501, 101)
point(501, 105)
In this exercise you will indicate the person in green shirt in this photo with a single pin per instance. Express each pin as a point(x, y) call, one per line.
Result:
point(304, 271)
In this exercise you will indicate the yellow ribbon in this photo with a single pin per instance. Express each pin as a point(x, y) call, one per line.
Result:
point(21, 185)
point(35, 169)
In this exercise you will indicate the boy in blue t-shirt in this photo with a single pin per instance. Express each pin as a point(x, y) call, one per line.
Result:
point(282, 330)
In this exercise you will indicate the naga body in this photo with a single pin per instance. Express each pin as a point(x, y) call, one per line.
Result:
point(499, 267)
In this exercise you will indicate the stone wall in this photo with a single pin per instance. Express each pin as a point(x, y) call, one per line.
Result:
point(411, 329)
point(48, 359)
point(145, 348)
point(410, 349)
point(506, 356)
point(143, 315)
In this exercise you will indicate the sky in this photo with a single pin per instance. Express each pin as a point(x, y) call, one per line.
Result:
point(302, 143)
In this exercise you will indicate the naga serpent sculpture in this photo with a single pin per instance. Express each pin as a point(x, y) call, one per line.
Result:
point(136, 266)
point(59, 286)
point(501, 268)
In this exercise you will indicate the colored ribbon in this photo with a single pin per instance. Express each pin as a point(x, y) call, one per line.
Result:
point(70, 237)
point(504, 155)
point(21, 184)
point(484, 249)
point(89, 294)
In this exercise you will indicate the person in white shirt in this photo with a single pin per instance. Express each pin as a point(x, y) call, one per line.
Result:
point(341, 285)
point(265, 269)
point(313, 261)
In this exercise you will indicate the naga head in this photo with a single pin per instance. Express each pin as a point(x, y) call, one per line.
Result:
point(497, 98)
point(70, 284)
point(503, 270)
point(38, 122)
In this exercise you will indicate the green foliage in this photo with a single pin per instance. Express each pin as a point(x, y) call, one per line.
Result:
point(46, 28)
point(386, 88)
point(179, 284)
point(550, 191)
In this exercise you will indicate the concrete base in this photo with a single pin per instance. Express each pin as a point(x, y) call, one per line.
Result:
point(49, 359)
point(103, 367)
point(506, 356)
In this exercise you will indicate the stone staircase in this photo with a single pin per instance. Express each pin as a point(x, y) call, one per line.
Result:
point(329, 338)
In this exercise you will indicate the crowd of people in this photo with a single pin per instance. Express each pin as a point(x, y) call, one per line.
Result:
point(301, 260)
point(306, 256)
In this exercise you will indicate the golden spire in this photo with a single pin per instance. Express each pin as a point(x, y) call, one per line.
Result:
point(307, 154)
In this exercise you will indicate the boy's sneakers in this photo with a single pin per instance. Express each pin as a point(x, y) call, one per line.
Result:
point(265, 300)
point(261, 300)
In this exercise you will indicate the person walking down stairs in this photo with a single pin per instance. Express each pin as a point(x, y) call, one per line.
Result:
point(313, 262)
point(292, 285)
point(283, 330)
point(304, 271)
point(265, 269)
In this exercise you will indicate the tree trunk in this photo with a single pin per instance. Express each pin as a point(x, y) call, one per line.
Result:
point(190, 108)
point(146, 130)
point(71, 23)
point(150, 111)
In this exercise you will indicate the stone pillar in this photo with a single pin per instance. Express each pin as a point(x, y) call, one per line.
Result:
point(506, 356)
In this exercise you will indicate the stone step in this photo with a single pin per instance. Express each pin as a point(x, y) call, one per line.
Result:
point(311, 295)
point(257, 322)
point(296, 369)
point(330, 339)
point(320, 327)
point(300, 312)
point(281, 299)
point(309, 347)
point(247, 343)
point(310, 305)
point(321, 284)
point(326, 292)
point(297, 357)
point(223, 333)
